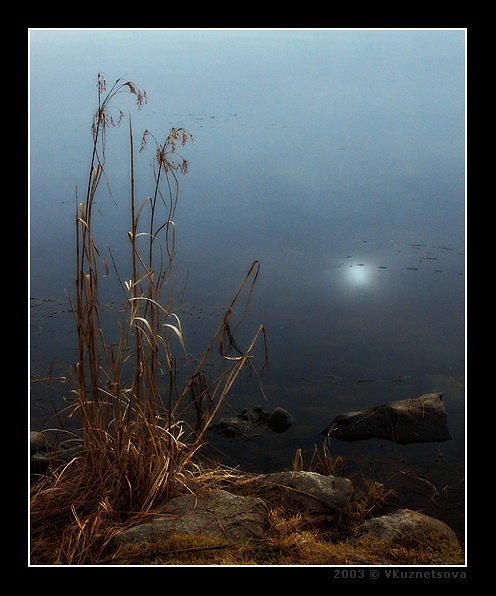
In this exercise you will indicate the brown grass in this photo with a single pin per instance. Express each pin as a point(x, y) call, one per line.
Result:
point(291, 539)
point(139, 440)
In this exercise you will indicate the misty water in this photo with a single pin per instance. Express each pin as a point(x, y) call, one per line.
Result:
point(336, 159)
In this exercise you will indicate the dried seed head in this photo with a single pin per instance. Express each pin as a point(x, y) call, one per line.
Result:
point(141, 97)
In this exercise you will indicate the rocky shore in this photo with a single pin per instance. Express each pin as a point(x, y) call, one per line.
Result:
point(227, 514)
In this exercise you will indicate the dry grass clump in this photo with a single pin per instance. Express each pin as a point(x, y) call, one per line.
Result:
point(292, 537)
point(140, 427)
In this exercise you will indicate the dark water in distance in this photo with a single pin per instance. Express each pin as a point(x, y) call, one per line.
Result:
point(336, 158)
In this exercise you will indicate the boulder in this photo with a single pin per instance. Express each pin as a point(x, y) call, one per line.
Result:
point(216, 513)
point(396, 526)
point(310, 491)
point(417, 420)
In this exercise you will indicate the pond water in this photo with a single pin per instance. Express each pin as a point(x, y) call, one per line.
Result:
point(334, 157)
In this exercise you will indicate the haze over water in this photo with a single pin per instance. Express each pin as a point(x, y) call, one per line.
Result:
point(335, 157)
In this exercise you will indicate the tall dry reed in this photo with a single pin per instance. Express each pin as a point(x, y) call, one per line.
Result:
point(139, 439)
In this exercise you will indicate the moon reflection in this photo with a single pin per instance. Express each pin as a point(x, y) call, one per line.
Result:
point(358, 275)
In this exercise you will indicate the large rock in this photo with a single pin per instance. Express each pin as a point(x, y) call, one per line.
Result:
point(417, 420)
point(216, 513)
point(311, 491)
point(396, 526)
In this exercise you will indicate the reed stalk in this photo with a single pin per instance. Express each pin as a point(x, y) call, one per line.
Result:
point(138, 442)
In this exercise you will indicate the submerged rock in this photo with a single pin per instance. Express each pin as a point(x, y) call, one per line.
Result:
point(417, 420)
point(240, 426)
point(38, 442)
point(279, 420)
point(231, 427)
point(45, 453)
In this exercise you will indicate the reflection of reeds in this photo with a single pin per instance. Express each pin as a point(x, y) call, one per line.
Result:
point(137, 445)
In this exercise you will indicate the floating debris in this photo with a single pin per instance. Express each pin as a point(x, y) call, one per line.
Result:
point(404, 378)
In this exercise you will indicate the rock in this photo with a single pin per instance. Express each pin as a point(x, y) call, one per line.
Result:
point(70, 449)
point(254, 415)
point(240, 426)
point(217, 513)
point(311, 491)
point(231, 427)
point(44, 453)
point(38, 442)
point(39, 447)
point(417, 420)
point(395, 526)
point(279, 420)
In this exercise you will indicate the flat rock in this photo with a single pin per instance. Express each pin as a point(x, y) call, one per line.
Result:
point(394, 526)
point(216, 513)
point(417, 420)
point(313, 492)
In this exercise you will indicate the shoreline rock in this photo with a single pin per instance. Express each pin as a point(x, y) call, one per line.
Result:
point(221, 513)
point(217, 513)
point(310, 491)
point(400, 524)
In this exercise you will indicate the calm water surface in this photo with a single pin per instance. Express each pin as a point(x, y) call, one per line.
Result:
point(336, 158)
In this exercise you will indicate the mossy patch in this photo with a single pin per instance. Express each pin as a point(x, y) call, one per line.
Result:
point(303, 548)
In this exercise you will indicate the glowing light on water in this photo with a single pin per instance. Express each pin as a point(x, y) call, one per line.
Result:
point(358, 275)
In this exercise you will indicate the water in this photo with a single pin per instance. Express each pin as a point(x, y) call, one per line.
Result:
point(336, 158)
